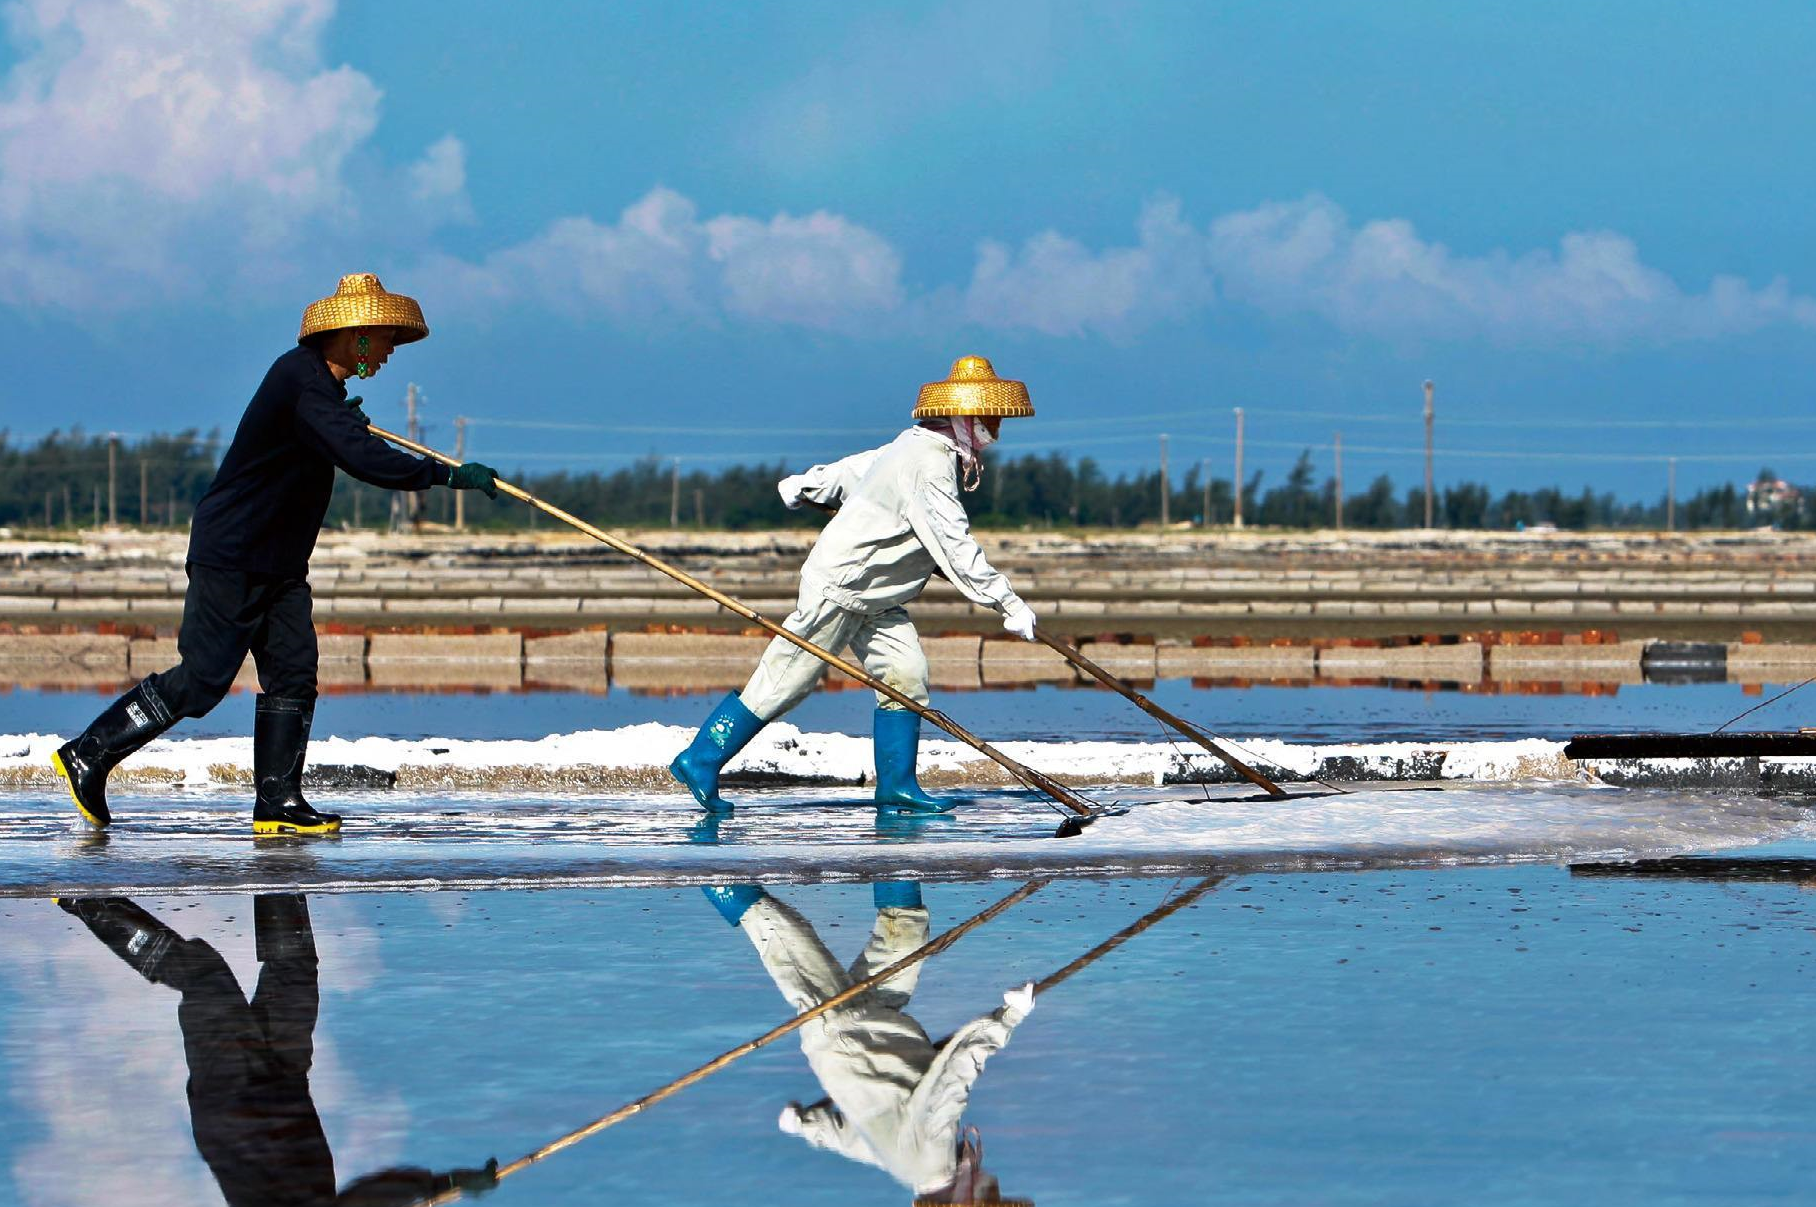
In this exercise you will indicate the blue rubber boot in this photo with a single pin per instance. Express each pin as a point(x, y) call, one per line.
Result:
point(731, 900)
point(726, 732)
point(898, 740)
point(896, 894)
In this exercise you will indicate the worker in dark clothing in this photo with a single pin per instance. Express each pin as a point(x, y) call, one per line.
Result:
point(254, 1119)
point(249, 548)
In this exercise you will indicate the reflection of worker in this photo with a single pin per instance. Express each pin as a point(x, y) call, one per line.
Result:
point(894, 1099)
point(249, 1102)
point(900, 521)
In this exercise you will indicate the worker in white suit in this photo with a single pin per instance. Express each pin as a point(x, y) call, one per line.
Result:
point(900, 521)
point(894, 1100)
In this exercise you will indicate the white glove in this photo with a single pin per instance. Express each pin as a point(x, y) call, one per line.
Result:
point(790, 1121)
point(793, 490)
point(1020, 621)
point(1020, 1001)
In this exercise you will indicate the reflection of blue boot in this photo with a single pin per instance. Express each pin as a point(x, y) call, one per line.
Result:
point(898, 740)
point(731, 900)
point(726, 732)
point(897, 894)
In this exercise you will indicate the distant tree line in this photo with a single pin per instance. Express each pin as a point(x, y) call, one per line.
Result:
point(64, 481)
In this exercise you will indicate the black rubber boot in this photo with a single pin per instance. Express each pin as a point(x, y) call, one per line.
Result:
point(280, 739)
point(129, 932)
point(280, 928)
point(129, 722)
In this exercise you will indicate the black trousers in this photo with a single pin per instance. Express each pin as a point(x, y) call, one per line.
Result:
point(254, 1118)
point(228, 613)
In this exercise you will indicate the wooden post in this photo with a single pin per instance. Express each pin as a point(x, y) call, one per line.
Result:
point(1337, 506)
point(1238, 482)
point(1428, 499)
point(1166, 487)
point(460, 454)
point(1671, 494)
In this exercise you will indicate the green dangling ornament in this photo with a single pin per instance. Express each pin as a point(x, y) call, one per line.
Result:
point(363, 346)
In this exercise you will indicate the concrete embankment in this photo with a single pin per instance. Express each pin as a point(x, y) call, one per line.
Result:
point(511, 611)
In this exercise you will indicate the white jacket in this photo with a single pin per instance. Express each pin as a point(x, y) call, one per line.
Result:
point(893, 1099)
point(900, 520)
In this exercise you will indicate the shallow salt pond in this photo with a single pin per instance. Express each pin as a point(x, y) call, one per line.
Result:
point(1503, 1035)
point(1404, 996)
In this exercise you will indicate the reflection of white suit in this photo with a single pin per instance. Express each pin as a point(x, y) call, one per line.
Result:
point(896, 1100)
point(899, 522)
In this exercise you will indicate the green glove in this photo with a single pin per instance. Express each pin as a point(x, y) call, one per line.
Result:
point(353, 404)
point(474, 476)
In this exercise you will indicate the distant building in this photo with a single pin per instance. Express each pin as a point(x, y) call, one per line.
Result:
point(1769, 495)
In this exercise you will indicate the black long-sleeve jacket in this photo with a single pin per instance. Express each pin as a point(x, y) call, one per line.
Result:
point(266, 503)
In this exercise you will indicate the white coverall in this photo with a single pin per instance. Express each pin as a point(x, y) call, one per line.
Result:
point(899, 521)
point(896, 1100)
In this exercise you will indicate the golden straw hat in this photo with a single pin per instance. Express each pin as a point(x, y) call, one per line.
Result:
point(973, 389)
point(361, 301)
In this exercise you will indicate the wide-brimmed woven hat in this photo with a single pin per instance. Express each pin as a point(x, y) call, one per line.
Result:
point(973, 388)
point(361, 301)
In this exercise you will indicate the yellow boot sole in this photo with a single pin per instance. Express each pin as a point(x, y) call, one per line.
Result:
point(56, 761)
point(288, 827)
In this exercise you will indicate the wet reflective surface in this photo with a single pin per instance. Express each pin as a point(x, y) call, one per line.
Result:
point(1502, 1035)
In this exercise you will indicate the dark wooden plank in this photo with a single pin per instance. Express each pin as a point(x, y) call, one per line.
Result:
point(1691, 745)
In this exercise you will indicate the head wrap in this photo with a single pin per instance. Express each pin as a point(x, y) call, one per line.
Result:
point(970, 437)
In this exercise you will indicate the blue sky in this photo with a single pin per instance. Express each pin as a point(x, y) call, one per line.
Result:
point(733, 231)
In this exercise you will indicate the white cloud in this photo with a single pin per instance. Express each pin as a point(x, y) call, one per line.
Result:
point(660, 261)
point(1380, 278)
point(149, 145)
point(1057, 286)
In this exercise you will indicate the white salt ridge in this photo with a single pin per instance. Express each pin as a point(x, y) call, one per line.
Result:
point(784, 750)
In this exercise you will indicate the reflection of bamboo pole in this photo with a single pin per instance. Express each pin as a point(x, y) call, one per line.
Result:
point(1071, 654)
point(706, 1070)
point(1026, 775)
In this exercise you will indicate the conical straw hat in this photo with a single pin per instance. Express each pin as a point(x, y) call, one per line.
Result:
point(361, 301)
point(973, 389)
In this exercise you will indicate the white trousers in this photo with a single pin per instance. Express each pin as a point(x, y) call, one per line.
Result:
point(885, 643)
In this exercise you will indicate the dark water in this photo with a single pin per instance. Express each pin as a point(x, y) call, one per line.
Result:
point(1293, 713)
point(1494, 1036)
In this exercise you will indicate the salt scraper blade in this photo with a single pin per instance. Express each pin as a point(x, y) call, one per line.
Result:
point(1075, 825)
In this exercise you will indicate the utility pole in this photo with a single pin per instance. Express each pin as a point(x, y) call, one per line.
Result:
point(1338, 505)
point(1428, 454)
point(1166, 487)
point(144, 496)
point(1204, 482)
point(699, 508)
point(1238, 482)
point(674, 494)
point(415, 504)
point(460, 454)
point(1671, 494)
point(113, 448)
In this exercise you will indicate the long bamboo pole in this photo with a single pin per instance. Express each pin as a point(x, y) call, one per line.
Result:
point(932, 948)
point(1031, 778)
point(1072, 654)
